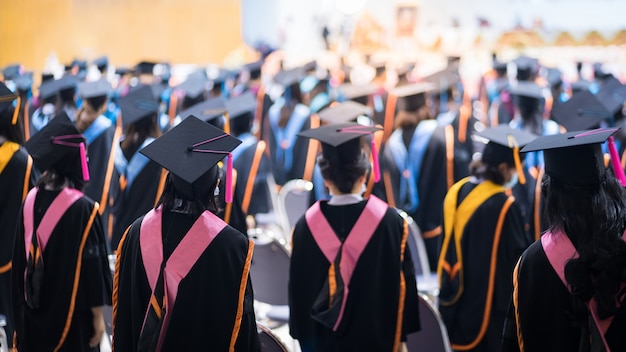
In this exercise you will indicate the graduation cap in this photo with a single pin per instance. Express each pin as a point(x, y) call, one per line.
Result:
point(94, 89)
point(191, 149)
point(240, 105)
point(52, 87)
point(287, 78)
point(47, 76)
point(582, 111)
point(138, 104)
point(576, 158)
point(347, 111)
point(357, 92)
point(145, 67)
point(411, 97)
point(193, 87)
point(527, 89)
point(101, 63)
point(206, 110)
point(6, 99)
point(504, 146)
point(24, 82)
point(553, 76)
point(121, 71)
point(254, 68)
point(612, 95)
point(444, 80)
point(580, 86)
point(59, 145)
point(341, 143)
point(526, 66)
point(11, 72)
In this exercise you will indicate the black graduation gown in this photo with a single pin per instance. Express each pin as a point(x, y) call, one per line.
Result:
point(372, 306)
point(16, 177)
point(101, 153)
point(545, 310)
point(261, 201)
point(42, 329)
point(465, 295)
point(531, 202)
point(207, 301)
point(135, 199)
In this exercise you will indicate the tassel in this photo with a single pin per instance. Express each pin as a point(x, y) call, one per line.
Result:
point(615, 162)
point(229, 179)
point(375, 161)
point(83, 161)
point(518, 166)
point(16, 111)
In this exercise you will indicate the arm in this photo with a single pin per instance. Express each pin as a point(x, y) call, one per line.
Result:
point(98, 326)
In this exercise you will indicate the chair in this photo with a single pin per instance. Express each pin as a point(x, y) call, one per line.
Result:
point(294, 199)
point(427, 281)
point(269, 341)
point(4, 343)
point(269, 273)
point(433, 336)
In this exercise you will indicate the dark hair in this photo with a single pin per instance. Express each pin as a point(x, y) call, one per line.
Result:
point(191, 198)
point(241, 124)
point(137, 133)
point(291, 101)
point(97, 102)
point(486, 171)
point(530, 110)
point(406, 119)
point(344, 176)
point(66, 170)
point(594, 218)
point(68, 96)
point(10, 131)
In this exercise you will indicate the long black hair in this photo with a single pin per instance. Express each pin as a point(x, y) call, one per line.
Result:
point(594, 219)
point(8, 130)
point(345, 175)
point(191, 198)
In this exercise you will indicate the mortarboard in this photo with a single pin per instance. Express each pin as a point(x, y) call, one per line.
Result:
point(59, 146)
point(582, 111)
point(145, 67)
point(24, 81)
point(527, 89)
point(191, 149)
point(11, 72)
point(504, 146)
point(240, 105)
point(411, 97)
point(576, 158)
point(347, 111)
point(101, 63)
point(94, 89)
point(138, 104)
point(341, 143)
point(6, 99)
point(254, 68)
point(526, 66)
point(121, 71)
point(553, 76)
point(612, 94)
point(444, 80)
point(46, 76)
point(206, 110)
point(52, 87)
point(287, 78)
point(193, 87)
point(357, 92)
point(580, 86)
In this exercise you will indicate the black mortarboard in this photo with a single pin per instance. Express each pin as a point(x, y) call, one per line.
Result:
point(46, 76)
point(357, 92)
point(192, 148)
point(59, 146)
point(527, 89)
point(582, 111)
point(444, 80)
point(193, 87)
point(206, 110)
point(122, 71)
point(504, 146)
point(287, 78)
point(341, 143)
point(575, 157)
point(11, 72)
point(553, 76)
point(612, 94)
point(254, 68)
point(145, 67)
point(24, 82)
point(94, 89)
point(347, 111)
point(138, 104)
point(52, 87)
point(6, 99)
point(101, 63)
point(411, 97)
point(240, 105)
point(526, 66)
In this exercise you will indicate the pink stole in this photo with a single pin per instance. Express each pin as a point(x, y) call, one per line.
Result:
point(53, 214)
point(559, 250)
point(186, 254)
point(353, 246)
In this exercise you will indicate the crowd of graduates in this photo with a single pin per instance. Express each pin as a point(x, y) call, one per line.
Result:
point(430, 142)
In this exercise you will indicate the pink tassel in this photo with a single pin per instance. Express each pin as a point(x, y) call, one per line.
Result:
point(615, 162)
point(83, 161)
point(375, 161)
point(229, 179)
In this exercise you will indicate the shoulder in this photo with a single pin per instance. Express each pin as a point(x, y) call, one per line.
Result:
point(532, 257)
point(233, 236)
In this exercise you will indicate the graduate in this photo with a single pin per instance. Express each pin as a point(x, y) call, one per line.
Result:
point(483, 238)
point(351, 282)
point(182, 274)
point(286, 118)
point(102, 137)
point(17, 177)
point(252, 192)
point(568, 290)
point(141, 179)
point(61, 278)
